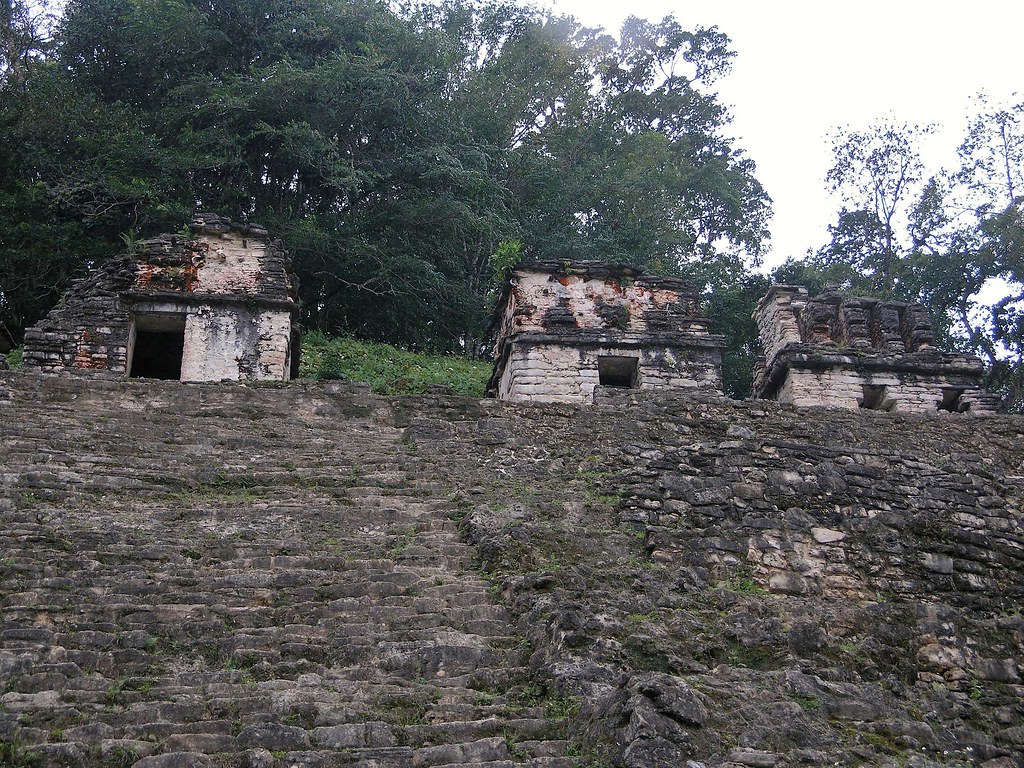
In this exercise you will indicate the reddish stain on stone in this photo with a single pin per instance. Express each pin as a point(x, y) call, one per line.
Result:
point(84, 356)
point(167, 278)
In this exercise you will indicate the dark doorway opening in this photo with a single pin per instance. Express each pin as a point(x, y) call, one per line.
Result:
point(951, 400)
point(617, 371)
point(158, 354)
point(294, 354)
point(159, 346)
point(875, 398)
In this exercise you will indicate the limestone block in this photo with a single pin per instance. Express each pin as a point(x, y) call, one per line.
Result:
point(937, 563)
point(827, 536)
point(999, 670)
point(787, 583)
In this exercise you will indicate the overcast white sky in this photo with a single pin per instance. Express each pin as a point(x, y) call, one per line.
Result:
point(804, 68)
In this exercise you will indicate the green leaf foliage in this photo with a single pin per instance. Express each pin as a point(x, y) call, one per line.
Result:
point(390, 370)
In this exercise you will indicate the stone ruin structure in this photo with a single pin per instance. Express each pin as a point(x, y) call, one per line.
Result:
point(563, 329)
point(856, 352)
point(216, 303)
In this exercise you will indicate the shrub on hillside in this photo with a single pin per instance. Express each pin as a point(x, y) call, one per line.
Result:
point(387, 369)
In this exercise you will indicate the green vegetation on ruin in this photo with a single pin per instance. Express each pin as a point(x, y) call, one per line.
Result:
point(390, 370)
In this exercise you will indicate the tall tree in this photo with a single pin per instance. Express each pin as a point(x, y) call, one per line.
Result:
point(25, 36)
point(877, 174)
point(990, 196)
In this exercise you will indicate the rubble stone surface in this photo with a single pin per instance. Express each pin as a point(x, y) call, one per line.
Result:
point(239, 575)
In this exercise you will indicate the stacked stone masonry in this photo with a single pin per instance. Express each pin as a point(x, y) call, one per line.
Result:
point(199, 575)
point(850, 352)
point(216, 303)
point(563, 329)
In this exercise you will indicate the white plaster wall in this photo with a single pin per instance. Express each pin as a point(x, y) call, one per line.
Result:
point(274, 346)
point(211, 344)
point(231, 264)
point(230, 343)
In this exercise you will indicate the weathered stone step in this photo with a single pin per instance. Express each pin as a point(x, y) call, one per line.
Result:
point(472, 730)
point(480, 751)
point(247, 588)
point(554, 762)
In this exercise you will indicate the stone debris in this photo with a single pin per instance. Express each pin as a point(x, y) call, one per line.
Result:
point(563, 329)
point(217, 302)
point(856, 352)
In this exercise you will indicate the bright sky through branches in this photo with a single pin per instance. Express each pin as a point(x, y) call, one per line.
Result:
point(804, 68)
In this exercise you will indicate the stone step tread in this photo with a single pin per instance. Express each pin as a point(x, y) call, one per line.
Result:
point(466, 730)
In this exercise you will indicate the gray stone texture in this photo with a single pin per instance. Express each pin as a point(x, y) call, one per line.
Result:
point(228, 575)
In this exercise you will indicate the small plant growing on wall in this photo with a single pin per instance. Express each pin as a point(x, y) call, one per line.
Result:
point(507, 256)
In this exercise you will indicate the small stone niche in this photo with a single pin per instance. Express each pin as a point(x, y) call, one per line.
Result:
point(564, 329)
point(617, 371)
point(217, 303)
point(875, 398)
point(860, 353)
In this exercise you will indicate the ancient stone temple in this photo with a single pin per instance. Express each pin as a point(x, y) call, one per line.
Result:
point(563, 329)
point(217, 302)
point(856, 352)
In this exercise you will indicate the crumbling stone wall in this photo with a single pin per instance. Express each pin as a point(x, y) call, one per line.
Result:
point(855, 352)
point(229, 286)
point(556, 321)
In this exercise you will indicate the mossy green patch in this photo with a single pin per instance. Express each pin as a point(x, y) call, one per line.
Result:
point(390, 370)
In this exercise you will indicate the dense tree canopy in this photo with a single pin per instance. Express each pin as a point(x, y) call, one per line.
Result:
point(394, 148)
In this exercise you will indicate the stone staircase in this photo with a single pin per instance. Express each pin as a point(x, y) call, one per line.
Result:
point(204, 575)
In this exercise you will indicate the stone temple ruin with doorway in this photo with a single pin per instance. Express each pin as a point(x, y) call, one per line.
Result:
point(216, 303)
point(564, 329)
point(855, 352)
